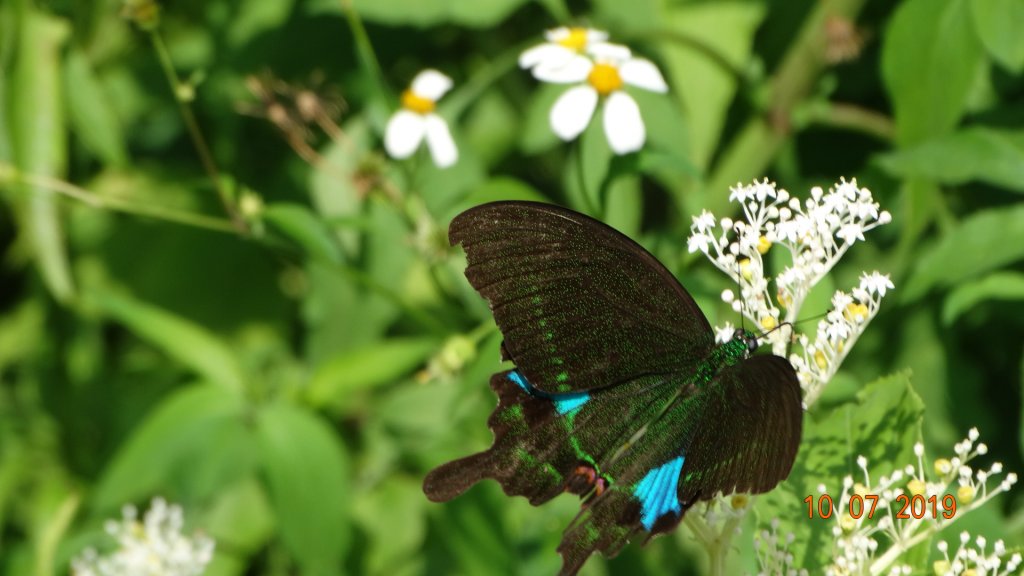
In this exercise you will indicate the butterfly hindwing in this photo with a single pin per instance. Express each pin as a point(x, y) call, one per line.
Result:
point(738, 433)
point(543, 442)
point(581, 306)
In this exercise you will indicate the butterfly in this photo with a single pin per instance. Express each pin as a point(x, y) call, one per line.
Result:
point(618, 392)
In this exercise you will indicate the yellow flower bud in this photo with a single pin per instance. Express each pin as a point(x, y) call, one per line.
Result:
point(740, 501)
point(943, 467)
point(860, 489)
point(941, 567)
point(847, 523)
point(768, 323)
point(916, 487)
point(763, 244)
point(820, 359)
point(969, 572)
point(745, 269)
point(784, 299)
point(965, 494)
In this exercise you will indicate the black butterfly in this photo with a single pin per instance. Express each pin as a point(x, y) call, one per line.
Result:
point(619, 393)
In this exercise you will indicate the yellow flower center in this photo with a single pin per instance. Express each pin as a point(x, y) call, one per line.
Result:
point(943, 467)
point(763, 244)
point(576, 40)
point(768, 323)
point(416, 103)
point(855, 312)
point(820, 360)
point(605, 78)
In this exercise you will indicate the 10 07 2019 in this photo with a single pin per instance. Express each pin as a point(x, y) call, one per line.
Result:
point(904, 506)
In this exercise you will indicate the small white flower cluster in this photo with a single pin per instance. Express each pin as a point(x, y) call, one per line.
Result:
point(153, 547)
point(912, 504)
point(599, 70)
point(817, 233)
point(968, 560)
point(818, 361)
point(773, 555)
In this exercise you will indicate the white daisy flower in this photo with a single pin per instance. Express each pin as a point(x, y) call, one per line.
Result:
point(417, 119)
point(564, 46)
point(612, 67)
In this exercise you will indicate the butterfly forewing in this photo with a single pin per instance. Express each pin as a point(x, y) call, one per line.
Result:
point(581, 306)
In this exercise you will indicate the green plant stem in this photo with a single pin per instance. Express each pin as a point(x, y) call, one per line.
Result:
point(856, 118)
point(192, 125)
point(364, 49)
point(581, 177)
point(66, 189)
point(53, 532)
point(749, 154)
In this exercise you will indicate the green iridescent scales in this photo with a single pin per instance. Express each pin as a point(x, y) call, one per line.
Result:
point(618, 387)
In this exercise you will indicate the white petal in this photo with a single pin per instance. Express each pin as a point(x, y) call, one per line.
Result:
point(643, 74)
point(439, 141)
point(575, 69)
point(431, 84)
point(622, 123)
point(596, 35)
point(572, 111)
point(404, 133)
point(556, 34)
point(555, 55)
point(609, 52)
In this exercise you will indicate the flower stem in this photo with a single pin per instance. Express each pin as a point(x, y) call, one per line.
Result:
point(759, 141)
point(855, 118)
point(9, 173)
point(179, 89)
point(364, 48)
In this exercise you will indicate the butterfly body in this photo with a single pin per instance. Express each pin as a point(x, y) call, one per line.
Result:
point(619, 393)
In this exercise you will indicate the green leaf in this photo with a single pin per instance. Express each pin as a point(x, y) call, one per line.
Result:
point(424, 13)
point(300, 225)
point(996, 286)
point(986, 240)
point(625, 204)
point(39, 141)
point(251, 18)
point(335, 189)
point(173, 437)
point(930, 60)
point(998, 24)
point(705, 86)
point(373, 365)
point(983, 154)
point(535, 134)
point(188, 343)
point(307, 474)
point(393, 515)
point(241, 515)
point(91, 111)
point(882, 424)
point(502, 188)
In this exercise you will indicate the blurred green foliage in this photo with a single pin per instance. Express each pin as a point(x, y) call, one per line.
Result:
point(212, 292)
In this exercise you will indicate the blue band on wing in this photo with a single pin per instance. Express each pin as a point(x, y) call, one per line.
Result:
point(657, 492)
point(564, 403)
